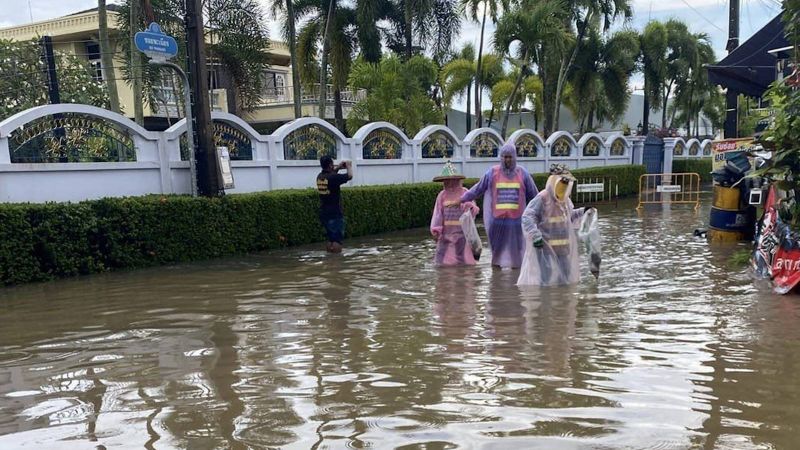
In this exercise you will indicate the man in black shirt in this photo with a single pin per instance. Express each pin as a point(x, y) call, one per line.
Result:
point(329, 183)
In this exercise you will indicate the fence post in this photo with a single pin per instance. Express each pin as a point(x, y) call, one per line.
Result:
point(163, 165)
point(416, 154)
point(274, 148)
point(637, 149)
point(5, 151)
point(669, 148)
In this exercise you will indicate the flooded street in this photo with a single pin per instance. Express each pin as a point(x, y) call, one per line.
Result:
point(671, 348)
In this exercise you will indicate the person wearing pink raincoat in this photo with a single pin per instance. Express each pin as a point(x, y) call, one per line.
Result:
point(506, 189)
point(452, 248)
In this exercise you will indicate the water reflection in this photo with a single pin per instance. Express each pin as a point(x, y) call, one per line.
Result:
point(670, 348)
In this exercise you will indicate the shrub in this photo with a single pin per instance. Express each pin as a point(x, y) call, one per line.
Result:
point(700, 166)
point(47, 241)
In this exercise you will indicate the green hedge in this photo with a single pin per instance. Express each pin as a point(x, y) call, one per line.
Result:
point(701, 166)
point(47, 241)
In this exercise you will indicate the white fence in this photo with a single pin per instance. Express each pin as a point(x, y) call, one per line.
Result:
point(692, 148)
point(149, 162)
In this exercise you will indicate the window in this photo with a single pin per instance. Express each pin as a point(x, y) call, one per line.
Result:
point(274, 84)
point(95, 65)
point(214, 68)
point(166, 94)
point(96, 70)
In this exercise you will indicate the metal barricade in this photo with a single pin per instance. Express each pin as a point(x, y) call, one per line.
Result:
point(669, 188)
point(595, 190)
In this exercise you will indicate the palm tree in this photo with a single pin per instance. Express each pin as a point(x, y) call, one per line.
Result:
point(534, 90)
point(529, 91)
point(434, 24)
point(474, 8)
point(338, 47)
point(599, 80)
point(653, 43)
point(492, 72)
point(583, 14)
point(237, 39)
point(457, 77)
point(397, 92)
point(693, 89)
point(531, 25)
point(681, 50)
point(290, 34)
point(368, 14)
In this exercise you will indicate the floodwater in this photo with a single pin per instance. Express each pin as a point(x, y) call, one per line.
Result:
point(671, 348)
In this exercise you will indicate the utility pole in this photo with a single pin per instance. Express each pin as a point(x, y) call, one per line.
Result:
point(136, 64)
point(731, 97)
point(208, 182)
point(53, 94)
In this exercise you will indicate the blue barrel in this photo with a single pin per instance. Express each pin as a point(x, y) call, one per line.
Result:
point(740, 221)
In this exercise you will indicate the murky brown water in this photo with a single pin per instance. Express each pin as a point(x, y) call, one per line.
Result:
point(294, 349)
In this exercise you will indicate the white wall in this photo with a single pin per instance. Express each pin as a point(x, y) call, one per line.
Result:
point(159, 170)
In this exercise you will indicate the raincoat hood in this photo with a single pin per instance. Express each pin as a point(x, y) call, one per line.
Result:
point(508, 149)
point(559, 173)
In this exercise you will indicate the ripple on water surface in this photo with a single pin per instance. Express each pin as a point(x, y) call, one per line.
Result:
point(670, 348)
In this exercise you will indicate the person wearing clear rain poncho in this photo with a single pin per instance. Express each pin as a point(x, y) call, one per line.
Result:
point(507, 188)
point(549, 224)
point(452, 248)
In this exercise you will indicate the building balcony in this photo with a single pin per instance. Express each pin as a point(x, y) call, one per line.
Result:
point(284, 95)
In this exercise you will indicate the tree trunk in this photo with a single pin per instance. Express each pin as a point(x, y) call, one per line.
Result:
point(323, 66)
point(564, 70)
point(664, 104)
point(590, 124)
point(106, 56)
point(136, 69)
point(548, 93)
point(409, 16)
point(469, 113)
point(491, 116)
point(478, 75)
point(514, 94)
point(337, 110)
point(646, 112)
point(296, 95)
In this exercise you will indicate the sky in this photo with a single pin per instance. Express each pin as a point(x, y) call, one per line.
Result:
point(708, 16)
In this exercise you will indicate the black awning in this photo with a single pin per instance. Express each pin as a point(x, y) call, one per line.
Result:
point(750, 69)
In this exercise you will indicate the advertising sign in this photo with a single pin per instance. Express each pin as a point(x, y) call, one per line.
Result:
point(723, 150)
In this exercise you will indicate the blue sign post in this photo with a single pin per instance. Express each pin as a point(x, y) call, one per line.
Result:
point(155, 44)
point(160, 48)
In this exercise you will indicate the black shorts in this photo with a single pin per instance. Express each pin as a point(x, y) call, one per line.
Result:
point(334, 229)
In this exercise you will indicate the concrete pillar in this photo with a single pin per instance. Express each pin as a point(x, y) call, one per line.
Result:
point(637, 149)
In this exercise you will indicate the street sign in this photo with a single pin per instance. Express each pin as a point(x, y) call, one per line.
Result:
point(591, 187)
point(156, 44)
point(669, 188)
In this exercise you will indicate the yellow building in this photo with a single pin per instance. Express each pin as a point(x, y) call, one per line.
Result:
point(77, 34)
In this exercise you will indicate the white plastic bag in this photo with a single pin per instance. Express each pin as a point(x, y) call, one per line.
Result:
point(471, 233)
point(589, 234)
